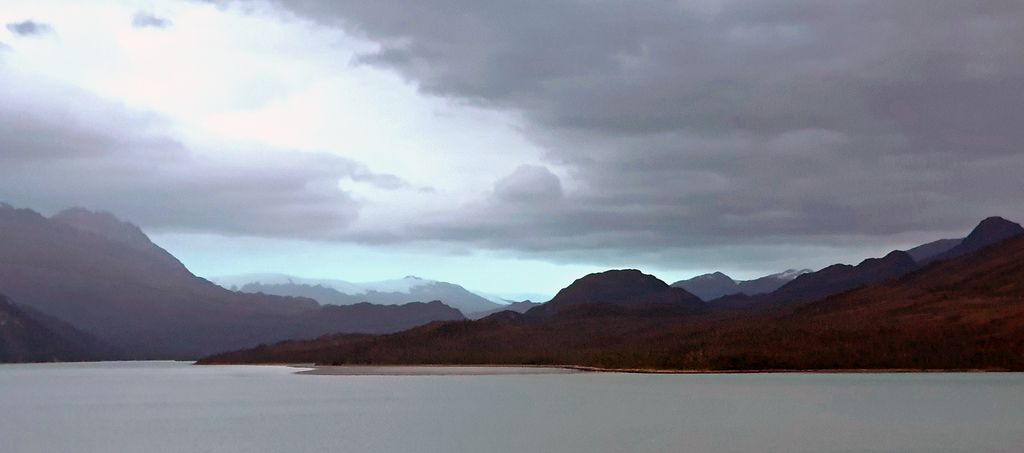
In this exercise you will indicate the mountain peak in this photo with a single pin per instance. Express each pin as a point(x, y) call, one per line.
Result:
point(898, 255)
point(104, 224)
point(714, 276)
point(896, 262)
point(993, 229)
point(790, 274)
point(989, 232)
point(626, 287)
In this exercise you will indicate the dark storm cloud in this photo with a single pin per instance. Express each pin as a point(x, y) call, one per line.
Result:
point(691, 124)
point(529, 183)
point(143, 19)
point(29, 28)
point(61, 147)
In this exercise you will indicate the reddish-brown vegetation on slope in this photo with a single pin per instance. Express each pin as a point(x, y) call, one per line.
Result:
point(964, 313)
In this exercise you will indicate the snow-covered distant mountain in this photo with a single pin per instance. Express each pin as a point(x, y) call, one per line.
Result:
point(341, 292)
point(511, 298)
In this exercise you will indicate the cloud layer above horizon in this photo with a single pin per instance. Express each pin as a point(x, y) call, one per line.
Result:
point(682, 135)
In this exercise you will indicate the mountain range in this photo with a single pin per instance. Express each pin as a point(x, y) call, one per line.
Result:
point(83, 285)
point(106, 278)
point(963, 309)
point(340, 292)
point(714, 285)
point(838, 278)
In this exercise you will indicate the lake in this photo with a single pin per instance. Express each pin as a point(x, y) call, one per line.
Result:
point(177, 407)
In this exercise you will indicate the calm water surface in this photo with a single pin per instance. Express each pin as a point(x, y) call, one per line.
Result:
point(173, 407)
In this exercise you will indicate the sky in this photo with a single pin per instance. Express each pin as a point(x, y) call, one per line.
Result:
point(512, 147)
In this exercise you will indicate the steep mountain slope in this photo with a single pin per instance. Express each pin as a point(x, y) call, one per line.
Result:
point(715, 285)
point(33, 337)
point(101, 276)
point(340, 292)
point(105, 225)
point(963, 313)
point(841, 277)
point(988, 232)
point(838, 278)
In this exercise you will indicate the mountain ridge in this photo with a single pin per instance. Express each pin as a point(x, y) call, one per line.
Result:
point(342, 292)
point(918, 321)
point(717, 284)
point(133, 295)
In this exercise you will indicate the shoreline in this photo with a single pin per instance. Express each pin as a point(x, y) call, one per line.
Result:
point(434, 370)
point(507, 370)
point(792, 371)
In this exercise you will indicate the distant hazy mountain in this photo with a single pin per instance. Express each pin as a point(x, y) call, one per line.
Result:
point(517, 307)
point(340, 292)
point(369, 318)
point(715, 285)
point(106, 278)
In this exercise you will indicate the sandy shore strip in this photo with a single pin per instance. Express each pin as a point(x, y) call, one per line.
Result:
point(436, 370)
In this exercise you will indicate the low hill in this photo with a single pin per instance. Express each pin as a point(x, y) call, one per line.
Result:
point(517, 307)
point(628, 288)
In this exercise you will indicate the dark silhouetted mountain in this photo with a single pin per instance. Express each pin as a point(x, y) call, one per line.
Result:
point(838, 278)
point(28, 336)
point(713, 286)
point(925, 252)
point(319, 293)
point(963, 313)
point(842, 277)
point(625, 288)
point(100, 276)
point(516, 307)
point(990, 231)
point(388, 292)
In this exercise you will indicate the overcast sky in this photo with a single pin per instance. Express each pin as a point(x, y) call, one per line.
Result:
point(513, 146)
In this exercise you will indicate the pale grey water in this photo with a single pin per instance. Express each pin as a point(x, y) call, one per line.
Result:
point(171, 407)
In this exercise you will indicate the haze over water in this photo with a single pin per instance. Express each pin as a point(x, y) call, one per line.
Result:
point(174, 407)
